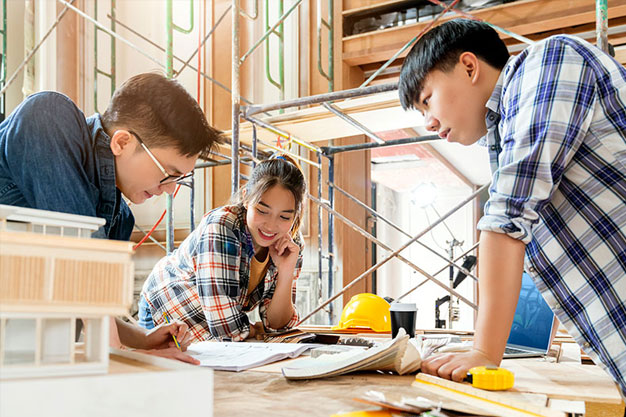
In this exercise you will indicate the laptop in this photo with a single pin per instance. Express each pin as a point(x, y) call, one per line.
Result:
point(533, 324)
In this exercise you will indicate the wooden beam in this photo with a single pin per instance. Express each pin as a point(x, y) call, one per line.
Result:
point(378, 112)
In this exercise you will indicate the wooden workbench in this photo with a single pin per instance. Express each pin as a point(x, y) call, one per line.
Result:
point(267, 392)
point(565, 386)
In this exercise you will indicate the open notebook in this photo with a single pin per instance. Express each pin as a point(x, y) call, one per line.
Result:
point(239, 356)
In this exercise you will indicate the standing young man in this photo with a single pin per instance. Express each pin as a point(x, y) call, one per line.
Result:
point(54, 158)
point(554, 120)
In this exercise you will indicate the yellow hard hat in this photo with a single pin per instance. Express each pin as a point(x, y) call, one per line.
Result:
point(365, 311)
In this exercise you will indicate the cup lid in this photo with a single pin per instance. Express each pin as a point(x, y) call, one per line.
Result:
point(403, 307)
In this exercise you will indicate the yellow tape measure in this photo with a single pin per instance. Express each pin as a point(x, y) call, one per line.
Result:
point(490, 378)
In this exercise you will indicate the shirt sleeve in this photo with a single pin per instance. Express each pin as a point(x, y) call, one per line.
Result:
point(546, 110)
point(46, 149)
point(219, 256)
point(295, 318)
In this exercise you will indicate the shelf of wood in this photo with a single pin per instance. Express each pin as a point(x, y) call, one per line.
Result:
point(351, 7)
point(525, 18)
point(379, 112)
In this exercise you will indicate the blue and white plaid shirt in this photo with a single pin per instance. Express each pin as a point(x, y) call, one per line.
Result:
point(557, 141)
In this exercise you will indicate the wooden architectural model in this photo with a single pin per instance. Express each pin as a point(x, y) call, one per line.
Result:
point(52, 273)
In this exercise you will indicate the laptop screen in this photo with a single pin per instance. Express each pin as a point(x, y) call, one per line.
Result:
point(532, 324)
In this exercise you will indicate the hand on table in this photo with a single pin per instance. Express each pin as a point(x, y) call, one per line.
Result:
point(454, 366)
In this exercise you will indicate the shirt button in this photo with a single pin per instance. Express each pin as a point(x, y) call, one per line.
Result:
point(532, 269)
point(493, 147)
point(491, 117)
point(586, 344)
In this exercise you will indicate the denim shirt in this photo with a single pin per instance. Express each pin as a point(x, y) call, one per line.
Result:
point(53, 158)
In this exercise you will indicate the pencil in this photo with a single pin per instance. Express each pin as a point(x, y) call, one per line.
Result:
point(167, 320)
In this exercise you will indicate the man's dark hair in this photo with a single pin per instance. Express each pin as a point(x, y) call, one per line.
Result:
point(440, 49)
point(163, 113)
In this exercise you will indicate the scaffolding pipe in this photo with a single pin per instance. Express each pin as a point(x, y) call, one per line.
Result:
point(206, 38)
point(254, 146)
point(35, 49)
point(320, 98)
point(602, 27)
point(293, 155)
point(353, 122)
point(269, 31)
point(191, 67)
point(150, 237)
point(192, 211)
point(331, 150)
point(280, 34)
point(377, 215)
point(498, 28)
point(234, 173)
point(393, 254)
point(169, 65)
point(331, 232)
point(281, 132)
point(437, 273)
point(107, 30)
point(319, 230)
point(211, 164)
point(373, 239)
point(113, 54)
point(329, 25)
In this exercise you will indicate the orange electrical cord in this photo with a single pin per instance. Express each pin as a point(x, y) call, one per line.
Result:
point(157, 223)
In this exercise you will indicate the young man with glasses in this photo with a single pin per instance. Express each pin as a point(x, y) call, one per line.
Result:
point(54, 158)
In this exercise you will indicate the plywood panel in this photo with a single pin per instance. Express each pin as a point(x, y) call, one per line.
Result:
point(568, 381)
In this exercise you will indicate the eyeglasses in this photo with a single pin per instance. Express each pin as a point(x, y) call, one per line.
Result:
point(168, 178)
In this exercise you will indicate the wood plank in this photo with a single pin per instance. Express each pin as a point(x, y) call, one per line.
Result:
point(493, 403)
point(378, 112)
point(570, 353)
point(567, 406)
point(566, 381)
point(351, 7)
point(522, 17)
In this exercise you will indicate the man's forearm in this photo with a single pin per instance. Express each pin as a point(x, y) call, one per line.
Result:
point(501, 263)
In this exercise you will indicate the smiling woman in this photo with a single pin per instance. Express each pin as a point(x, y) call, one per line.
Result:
point(241, 256)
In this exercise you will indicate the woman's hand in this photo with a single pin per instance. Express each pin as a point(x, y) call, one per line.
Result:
point(284, 252)
point(161, 337)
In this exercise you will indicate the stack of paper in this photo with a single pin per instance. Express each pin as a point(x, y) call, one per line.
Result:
point(239, 356)
point(397, 355)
